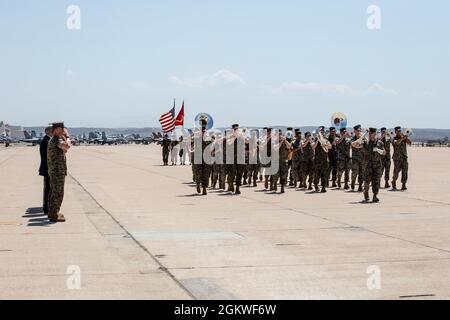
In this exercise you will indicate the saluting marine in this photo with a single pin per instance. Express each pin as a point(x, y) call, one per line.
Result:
point(375, 150)
point(57, 171)
point(400, 157)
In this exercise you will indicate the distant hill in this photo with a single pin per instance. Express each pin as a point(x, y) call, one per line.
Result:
point(419, 134)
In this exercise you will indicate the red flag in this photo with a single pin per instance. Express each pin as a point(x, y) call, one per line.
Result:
point(179, 120)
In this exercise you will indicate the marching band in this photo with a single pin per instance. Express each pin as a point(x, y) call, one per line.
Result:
point(309, 161)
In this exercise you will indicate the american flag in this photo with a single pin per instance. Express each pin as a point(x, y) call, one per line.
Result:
point(167, 120)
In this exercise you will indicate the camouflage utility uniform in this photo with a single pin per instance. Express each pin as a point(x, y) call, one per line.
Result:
point(343, 162)
point(332, 157)
point(165, 144)
point(386, 160)
point(235, 170)
point(321, 167)
point(283, 169)
point(400, 161)
point(57, 171)
point(202, 170)
point(297, 156)
point(357, 166)
point(307, 165)
point(373, 167)
point(253, 168)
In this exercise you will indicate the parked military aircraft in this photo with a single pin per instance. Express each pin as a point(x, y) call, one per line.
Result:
point(31, 138)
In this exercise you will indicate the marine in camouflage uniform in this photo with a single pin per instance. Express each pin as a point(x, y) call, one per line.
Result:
point(235, 170)
point(283, 170)
point(297, 155)
point(253, 168)
point(202, 170)
point(386, 160)
point(57, 171)
point(165, 144)
point(245, 171)
point(215, 168)
point(307, 162)
point(400, 157)
point(267, 149)
point(343, 158)
point(321, 163)
point(373, 164)
point(332, 157)
point(357, 164)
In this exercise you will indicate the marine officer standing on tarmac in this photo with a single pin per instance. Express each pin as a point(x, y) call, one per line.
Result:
point(57, 171)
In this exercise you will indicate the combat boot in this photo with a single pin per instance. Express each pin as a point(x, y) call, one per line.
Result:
point(386, 185)
point(204, 191)
point(404, 188)
point(375, 199)
point(366, 196)
point(58, 218)
point(346, 187)
point(282, 188)
point(323, 190)
point(237, 190)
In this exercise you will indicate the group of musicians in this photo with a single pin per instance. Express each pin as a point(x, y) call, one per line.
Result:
point(308, 161)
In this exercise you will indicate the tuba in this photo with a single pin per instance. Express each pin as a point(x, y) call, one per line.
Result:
point(409, 132)
point(339, 120)
point(201, 118)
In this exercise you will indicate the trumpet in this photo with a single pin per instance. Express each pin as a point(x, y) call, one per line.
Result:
point(324, 143)
point(363, 136)
point(386, 135)
point(380, 151)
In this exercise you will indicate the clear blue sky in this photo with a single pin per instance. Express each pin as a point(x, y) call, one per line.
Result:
point(252, 62)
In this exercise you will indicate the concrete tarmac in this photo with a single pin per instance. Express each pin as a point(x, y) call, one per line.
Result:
point(137, 230)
